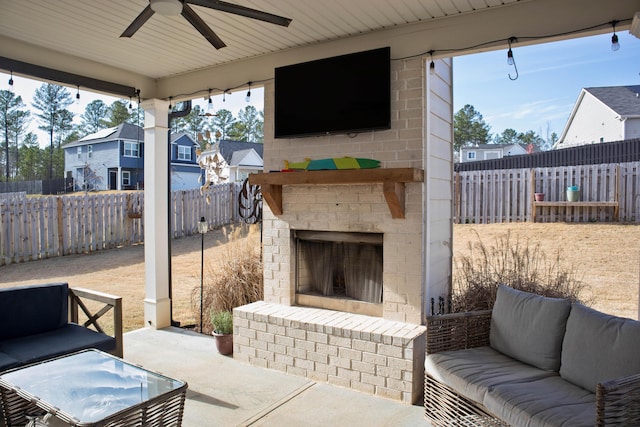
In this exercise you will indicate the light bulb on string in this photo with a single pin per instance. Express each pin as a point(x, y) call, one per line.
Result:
point(210, 103)
point(78, 95)
point(615, 44)
point(11, 81)
point(432, 65)
point(248, 97)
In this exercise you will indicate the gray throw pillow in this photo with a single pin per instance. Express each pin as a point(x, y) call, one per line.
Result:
point(529, 327)
point(599, 347)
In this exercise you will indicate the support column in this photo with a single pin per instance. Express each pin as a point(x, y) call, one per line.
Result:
point(119, 179)
point(157, 304)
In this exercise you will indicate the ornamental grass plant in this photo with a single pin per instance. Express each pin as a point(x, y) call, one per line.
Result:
point(235, 279)
point(519, 264)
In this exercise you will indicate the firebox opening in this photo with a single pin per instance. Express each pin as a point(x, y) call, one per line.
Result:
point(338, 270)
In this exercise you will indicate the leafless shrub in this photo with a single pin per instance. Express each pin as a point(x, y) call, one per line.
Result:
point(521, 265)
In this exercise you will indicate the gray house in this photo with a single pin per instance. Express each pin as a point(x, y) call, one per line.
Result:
point(113, 159)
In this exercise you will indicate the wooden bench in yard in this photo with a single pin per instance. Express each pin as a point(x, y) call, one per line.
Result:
point(565, 206)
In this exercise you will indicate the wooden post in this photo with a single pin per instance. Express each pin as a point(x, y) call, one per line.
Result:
point(616, 209)
point(532, 196)
point(60, 218)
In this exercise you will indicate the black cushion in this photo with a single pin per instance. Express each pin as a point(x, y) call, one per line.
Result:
point(7, 362)
point(68, 339)
point(28, 310)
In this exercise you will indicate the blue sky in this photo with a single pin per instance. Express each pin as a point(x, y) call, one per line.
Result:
point(551, 76)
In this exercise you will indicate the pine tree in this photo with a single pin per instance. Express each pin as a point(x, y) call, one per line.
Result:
point(119, 113)
point(13, 121)
point(469, 128)
point(52, 100)
point(223, 122)
point(94, 117)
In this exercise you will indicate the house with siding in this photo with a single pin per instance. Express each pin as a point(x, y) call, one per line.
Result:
point(474, 153)
point(603, 114)
point(113, 159)
point(243, 158)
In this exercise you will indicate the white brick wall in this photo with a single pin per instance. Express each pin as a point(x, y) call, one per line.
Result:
point(353, 208)
point(364, 353)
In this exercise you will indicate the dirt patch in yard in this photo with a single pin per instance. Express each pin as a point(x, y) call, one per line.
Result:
point(606, 257)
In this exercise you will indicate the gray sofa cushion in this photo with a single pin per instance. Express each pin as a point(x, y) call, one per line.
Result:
point(529, 327)
point(546, 402)
point(599, 347)
point(473, 371)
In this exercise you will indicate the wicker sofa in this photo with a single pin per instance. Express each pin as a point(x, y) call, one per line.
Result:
point(39, 322)
point(532, 361)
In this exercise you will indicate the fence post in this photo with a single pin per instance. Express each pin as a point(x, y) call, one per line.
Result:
point(457, 192)
point(60, 222)
point(532, 206)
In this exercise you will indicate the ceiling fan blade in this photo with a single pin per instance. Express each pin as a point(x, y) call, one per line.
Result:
point(201, 26)
point(242, 11)
point(138, 22)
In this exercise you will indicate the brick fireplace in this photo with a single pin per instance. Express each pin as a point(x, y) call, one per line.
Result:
point(375, 347)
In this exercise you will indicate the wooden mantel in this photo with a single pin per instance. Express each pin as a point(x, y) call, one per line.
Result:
point(392, 179)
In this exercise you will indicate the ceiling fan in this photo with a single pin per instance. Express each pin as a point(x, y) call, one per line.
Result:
point(175, 7)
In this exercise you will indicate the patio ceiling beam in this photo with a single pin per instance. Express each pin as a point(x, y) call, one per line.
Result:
point(66, 78)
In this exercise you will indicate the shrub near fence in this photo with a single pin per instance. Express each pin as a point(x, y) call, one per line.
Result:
point(49, 226)
point(494, 196)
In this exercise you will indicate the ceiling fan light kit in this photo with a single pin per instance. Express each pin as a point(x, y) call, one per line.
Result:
point(166, 7)
point(181, 7)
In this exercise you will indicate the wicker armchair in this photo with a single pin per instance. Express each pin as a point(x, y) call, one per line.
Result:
point(617, 401)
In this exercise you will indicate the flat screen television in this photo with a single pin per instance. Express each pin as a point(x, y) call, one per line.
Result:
point(339, 95)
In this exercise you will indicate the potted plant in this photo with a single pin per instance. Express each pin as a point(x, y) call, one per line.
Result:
point(222, 322)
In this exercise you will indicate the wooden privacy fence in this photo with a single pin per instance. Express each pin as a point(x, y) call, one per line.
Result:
point(49, 226)
point(608, 192)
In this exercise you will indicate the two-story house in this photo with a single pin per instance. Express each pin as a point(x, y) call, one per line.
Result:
point(603, 114)
point(184, 167)
point(113, 159)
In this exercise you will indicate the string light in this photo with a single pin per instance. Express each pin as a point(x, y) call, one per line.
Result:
point(170, 106)
point(432, 65)
point(11, 80)
point(615, 45)
point(210, 103)
point(248, 97)
point(78, 95)
point(130, 105)
point(510, 59)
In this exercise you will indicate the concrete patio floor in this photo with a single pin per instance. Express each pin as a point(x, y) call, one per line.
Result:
point(226, 392)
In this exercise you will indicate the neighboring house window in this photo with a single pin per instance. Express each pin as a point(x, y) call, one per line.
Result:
point(131, 149)
point(90, 151)
point(471, 155)
point(184, 152)
point(79, 152)
point(126, 178)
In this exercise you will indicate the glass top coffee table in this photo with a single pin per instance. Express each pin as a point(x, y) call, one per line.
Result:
point(92, 388)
